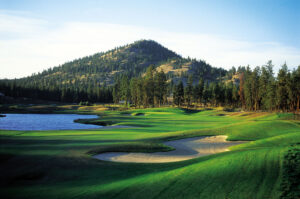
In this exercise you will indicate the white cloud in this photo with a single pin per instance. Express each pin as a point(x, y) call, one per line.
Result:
point(35, 46)
point(19, 26)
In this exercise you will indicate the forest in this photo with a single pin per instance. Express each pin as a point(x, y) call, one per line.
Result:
point(258, 89)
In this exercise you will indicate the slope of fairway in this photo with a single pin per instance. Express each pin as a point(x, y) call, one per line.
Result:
point(59, 164)
point(238, 174)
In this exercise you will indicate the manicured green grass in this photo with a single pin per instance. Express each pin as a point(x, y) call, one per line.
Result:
point(58, 164)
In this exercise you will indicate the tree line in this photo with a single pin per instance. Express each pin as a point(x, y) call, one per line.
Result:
point(147, 91)
point(71, 93)
point(253, 89)
point(256, 89)
point(260, 90)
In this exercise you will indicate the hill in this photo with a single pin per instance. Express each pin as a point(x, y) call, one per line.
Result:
point(90, 78)
point(131, 60)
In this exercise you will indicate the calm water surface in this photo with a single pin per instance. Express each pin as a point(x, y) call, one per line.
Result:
point(32, 122)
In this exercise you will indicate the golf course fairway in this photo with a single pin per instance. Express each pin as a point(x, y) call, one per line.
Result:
point(61, 163)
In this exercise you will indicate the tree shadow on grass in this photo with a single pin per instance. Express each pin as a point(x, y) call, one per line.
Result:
point(189, 111)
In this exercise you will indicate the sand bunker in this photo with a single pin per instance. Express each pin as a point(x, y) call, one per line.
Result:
point(184, 149)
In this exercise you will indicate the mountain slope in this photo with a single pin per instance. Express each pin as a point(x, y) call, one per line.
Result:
point(180, 69)
point(131, 59)
point(97, 73)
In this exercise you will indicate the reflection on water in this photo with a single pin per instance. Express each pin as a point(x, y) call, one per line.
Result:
point(27, 122)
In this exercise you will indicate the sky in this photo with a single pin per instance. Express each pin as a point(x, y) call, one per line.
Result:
point(36, 35)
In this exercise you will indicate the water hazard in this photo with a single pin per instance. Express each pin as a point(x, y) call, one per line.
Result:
point(32, 122)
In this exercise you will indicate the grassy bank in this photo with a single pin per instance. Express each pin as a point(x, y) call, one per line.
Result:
point(58, 164)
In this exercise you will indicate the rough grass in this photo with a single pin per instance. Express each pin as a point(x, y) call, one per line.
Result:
point(58, 164)
point(291, 173)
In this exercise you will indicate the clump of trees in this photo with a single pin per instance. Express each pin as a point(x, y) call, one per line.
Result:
point(252, 89)
point(256, 89)
point(260, 90)
point(147, 91)
point(71, 93)
point(206, 93)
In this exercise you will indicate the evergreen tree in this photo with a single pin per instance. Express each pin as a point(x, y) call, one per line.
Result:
point(63, 95)
point(178, 95)
point(249, 101)
point(140, 91)
point(134, 91)
point(297, 87)
point(206, 94)
point(290, 88)
point(271, 96)
point(199, 91)
point(149, 87)
point(160, 88)
point(125, 89)
point(281, 92)
point(255, 88)
point(189, 90)
point(229, 94)
point(265, 80)
point(241, 89)
point(235, 95)
point(117, 91)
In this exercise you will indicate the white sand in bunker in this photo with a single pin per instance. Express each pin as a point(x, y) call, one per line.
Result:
point(184, 149)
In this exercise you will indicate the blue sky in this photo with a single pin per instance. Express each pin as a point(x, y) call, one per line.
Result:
point(36, 35)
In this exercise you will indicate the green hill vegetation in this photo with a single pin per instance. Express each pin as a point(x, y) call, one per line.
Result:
point(257, 89)
point(91, 78)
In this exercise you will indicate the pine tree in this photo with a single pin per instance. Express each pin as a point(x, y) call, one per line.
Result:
point(290, 88)
point(241, 89)
point(124, 89)
point(255, 88)
point(265, 80)
point(178, 95)
point(206, 93)
point(189, 90)
point(160, 87)
point(116, 91)
point(281, 92)
point(149, 87)
point(249, 102)
point(140, 91)
point(134, 91)
point(199, 90)
point(271, 96)
point(297, 88)
point(228, 94)
point(235, 95)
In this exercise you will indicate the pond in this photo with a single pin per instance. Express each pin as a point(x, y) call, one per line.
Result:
point(34, 122)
